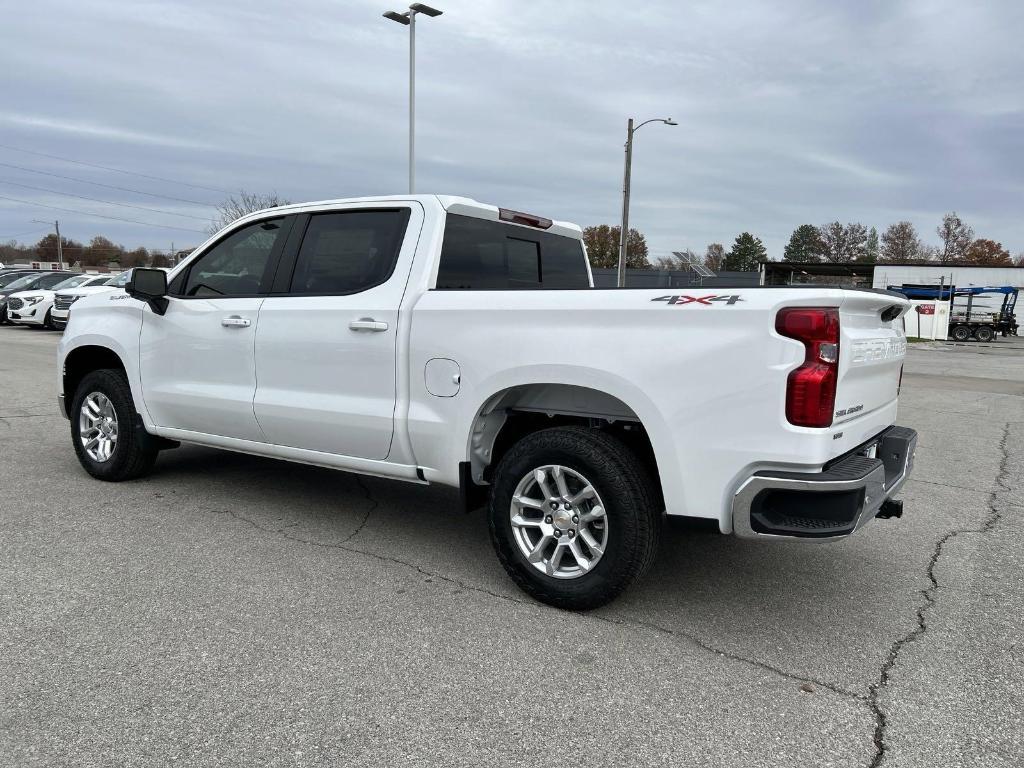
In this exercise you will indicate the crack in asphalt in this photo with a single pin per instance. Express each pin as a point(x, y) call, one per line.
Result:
point(618, 622)
point(948, 485)
point(991, 520)
point(366, 518)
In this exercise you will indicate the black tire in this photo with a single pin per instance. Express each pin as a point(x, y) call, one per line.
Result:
point(629, 496)
point(961, 333)
point(984, 333)
point(48, 321)
point(135, 450)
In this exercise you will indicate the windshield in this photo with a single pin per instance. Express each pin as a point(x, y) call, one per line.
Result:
point(71, 282)
point(6, 280)
point(121, 280)
point(21, 282)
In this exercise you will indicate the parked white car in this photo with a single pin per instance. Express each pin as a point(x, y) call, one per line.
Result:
point(440, 340)
point(64, 298)
point(33, 306)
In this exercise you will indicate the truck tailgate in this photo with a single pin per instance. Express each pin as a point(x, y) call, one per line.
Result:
point(871, 352)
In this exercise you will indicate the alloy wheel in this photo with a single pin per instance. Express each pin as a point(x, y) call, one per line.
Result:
point(559, 522)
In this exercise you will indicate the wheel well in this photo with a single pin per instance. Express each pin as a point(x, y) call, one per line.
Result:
point(83, 360)
point(514, 413)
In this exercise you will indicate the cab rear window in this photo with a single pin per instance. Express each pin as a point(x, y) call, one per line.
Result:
point(487, 255)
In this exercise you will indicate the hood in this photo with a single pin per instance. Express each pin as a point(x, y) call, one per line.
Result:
point(87, 290)
point(45, 293)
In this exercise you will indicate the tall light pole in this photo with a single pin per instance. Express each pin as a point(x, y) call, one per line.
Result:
point(60, 246)
point(624, 233)
point(409, 19)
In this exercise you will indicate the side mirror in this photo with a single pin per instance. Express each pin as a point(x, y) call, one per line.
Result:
point(150, 286)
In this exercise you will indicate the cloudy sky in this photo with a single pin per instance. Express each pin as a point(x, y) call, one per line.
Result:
point(789, 112)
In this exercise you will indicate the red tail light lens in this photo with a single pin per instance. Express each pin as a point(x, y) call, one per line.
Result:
point(811, 388)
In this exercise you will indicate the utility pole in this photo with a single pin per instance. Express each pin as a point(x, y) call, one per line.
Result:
point(409, 19)
point(624, 229)
point(60, 245)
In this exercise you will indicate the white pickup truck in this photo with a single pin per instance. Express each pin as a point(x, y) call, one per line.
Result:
point(436, 339)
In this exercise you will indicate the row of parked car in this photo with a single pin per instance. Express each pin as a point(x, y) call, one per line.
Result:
point(43, 299)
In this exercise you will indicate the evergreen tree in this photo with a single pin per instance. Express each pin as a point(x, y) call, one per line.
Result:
point(747, 252)
point(804, 244)
point(871, 247)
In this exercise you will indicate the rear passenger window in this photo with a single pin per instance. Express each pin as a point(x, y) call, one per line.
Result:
point(348, 251)
point(478, 254)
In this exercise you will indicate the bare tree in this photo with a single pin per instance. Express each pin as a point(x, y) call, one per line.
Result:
point(841, 244)
point(856, 242)
point(242, 204)
point(900, 243)
point(673, 261)
point(714, 257)
point(833, 241)
point(956, 238)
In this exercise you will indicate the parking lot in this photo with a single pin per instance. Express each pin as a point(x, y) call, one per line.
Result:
point(231, 610)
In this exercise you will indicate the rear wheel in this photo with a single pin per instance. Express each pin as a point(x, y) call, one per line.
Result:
point(985, 333)
point(106, 429)
point(573, 517)
point(961, 333)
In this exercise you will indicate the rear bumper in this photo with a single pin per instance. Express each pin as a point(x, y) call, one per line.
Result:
point(830, 504)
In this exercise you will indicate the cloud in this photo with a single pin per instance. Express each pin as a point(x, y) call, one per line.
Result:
point(790, 113)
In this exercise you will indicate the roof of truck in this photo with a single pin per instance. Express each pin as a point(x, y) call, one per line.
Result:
point(463, 206)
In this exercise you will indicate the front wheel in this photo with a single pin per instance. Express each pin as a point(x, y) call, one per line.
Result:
point(573, 517)
point(105, 428)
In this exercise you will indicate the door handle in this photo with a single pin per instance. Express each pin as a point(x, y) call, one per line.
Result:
point(368, 324)
point(235, 322)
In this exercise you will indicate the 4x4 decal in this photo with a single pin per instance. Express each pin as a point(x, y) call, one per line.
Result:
point(705, 300)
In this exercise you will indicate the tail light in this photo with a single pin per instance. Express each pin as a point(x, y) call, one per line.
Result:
point(811, 388)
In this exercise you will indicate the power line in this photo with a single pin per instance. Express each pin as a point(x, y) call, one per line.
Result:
point(108, 186)
point(115, 170)
point(106, 202)
point(22, 234)
point(100, 215)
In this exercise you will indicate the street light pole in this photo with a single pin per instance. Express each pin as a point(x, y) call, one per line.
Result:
point(624, 224)
point(412, 102)
point(409, 19)
point(624, 227)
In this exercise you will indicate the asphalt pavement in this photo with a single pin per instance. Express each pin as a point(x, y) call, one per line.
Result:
point(231, 610)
